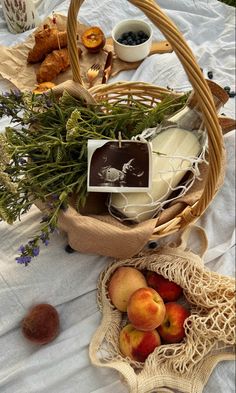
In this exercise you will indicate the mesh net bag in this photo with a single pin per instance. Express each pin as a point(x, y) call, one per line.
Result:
point(210, 329)
point(106, 231)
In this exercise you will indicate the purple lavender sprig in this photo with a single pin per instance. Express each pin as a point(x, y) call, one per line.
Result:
point(32, 248)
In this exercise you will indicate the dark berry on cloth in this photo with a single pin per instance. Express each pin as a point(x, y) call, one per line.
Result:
point(210, 74)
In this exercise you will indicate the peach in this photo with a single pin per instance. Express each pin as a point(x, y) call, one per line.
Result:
point(146, 309)
point(124, 281)
point(137, 344)
point(172, 328)
point(168, 290)
point(41, 324)
point(93, 39)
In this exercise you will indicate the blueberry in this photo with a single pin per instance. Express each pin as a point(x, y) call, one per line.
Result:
point(210, 74)
point(141, 33)
point(125, 36)
point(69, 249)
point(133, 38)
point(230, 93)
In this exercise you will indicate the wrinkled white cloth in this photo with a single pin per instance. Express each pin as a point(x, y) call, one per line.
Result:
point(68, 281)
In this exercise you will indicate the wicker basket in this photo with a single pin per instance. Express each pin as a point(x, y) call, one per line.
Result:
point(183, 214)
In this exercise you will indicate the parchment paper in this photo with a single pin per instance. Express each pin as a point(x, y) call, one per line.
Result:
point(14, 66)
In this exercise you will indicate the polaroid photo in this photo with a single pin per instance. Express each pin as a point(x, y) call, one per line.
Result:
point(119, 166)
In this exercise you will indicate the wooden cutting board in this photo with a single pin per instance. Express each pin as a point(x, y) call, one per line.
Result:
point(158, 47)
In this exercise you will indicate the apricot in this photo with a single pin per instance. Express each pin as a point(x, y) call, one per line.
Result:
point(146, 309)
point(41, 324)
point(172, 328)
point(168, 290)
point(93, 39)
point(123, 283)
point(136, 344)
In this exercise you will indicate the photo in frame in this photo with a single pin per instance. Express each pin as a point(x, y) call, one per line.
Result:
point(119, 166)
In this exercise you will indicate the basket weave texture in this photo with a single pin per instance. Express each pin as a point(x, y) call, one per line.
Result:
point(210, 329)
point(108, 232)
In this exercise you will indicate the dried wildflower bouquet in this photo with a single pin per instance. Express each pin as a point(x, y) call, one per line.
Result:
point(43, 153)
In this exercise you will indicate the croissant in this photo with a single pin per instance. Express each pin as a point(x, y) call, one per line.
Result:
point(46, 40)
point(54, 63)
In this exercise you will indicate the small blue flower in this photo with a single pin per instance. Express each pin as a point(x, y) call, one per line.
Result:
point(27, 259)
point(21, 249)
point(24, 259)
point(43, 236)
point(35, 251)
point(19, 260)
point(46, 242)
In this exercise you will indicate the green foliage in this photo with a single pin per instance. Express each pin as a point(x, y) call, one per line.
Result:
point(167, 106)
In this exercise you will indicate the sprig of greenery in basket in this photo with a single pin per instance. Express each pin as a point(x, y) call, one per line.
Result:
point(43, 152)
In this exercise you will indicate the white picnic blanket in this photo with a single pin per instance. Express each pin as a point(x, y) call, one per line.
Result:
point(68, 281)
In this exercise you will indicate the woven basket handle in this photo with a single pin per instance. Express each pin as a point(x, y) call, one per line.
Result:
point(202, 91)
point(201, 236)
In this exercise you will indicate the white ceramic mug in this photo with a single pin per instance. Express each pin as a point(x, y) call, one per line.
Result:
point(20, 15)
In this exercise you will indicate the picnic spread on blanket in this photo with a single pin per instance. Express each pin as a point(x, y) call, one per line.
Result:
point(129, 177)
